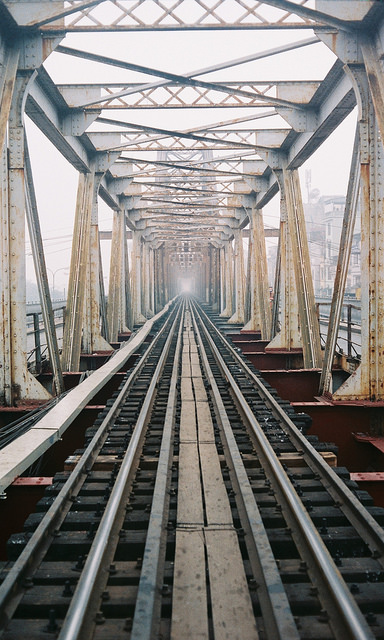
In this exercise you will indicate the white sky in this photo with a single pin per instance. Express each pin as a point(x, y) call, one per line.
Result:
point(56, 180)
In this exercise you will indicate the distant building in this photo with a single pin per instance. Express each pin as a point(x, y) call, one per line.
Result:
point(324, 219)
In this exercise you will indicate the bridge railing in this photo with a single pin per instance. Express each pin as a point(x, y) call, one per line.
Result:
point(348, 341)
point(37, 347)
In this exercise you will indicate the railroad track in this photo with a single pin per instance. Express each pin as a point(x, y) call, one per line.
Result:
point(197, 509)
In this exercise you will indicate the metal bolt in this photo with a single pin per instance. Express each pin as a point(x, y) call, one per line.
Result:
point(128, 624)
point(67, 591)
point(371, 618)
point(79, 564)
point(323, 617)
point(52, 624)
point(253, 585)
point(27, 582)
point(99, 618)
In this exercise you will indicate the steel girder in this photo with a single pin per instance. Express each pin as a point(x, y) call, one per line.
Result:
point(312, 117)
point(362, 54)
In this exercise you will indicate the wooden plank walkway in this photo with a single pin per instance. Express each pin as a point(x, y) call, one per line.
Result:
point(208, 562)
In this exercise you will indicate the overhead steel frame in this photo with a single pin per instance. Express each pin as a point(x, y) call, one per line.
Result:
point(19, 61)
point(311, 120)
point(362, 54)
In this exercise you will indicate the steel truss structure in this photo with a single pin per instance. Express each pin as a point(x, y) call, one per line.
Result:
point(187, 194)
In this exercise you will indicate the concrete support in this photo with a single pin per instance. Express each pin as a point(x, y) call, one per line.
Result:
point(257, 284)
point(288, 336)
point(117, 303)
point(138, 317)
point(228, 279)
point(239, 288)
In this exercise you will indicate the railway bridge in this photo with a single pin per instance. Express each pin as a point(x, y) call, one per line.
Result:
point(185, 453)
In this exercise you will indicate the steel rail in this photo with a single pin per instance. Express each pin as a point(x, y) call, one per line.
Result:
point(346, 619)
point(11, 589)
point(78, 612)
point(147, 607)
point(273, 599)
point(370, 531)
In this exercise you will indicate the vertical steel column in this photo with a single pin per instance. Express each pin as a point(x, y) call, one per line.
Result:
point(215, 279)
point(372, 57)
point(206, 276)
point(5, 320)
point(275, 322)
point(156, 279)
point(260, 316)
point(288, 336)
point(222, 279)
point(238, 316)
point(159, 279)
point(249, 281)
point(37, 340)
point(362, 57)
point(116, 308)
point(146, 284)
point(165, 270)
point(309, 325)
point(10, 56)
point(96, 341)
point(211, 277)
point(138, 317)
point(78, 272)
point(152, 279)
point(41, 275)
point(366, 383)
point(228, 279)
point(351, 205)
point(103, 301)
point(127, 282)
point(23, 384)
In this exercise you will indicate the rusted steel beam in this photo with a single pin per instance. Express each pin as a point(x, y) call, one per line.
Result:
point(351, 206)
